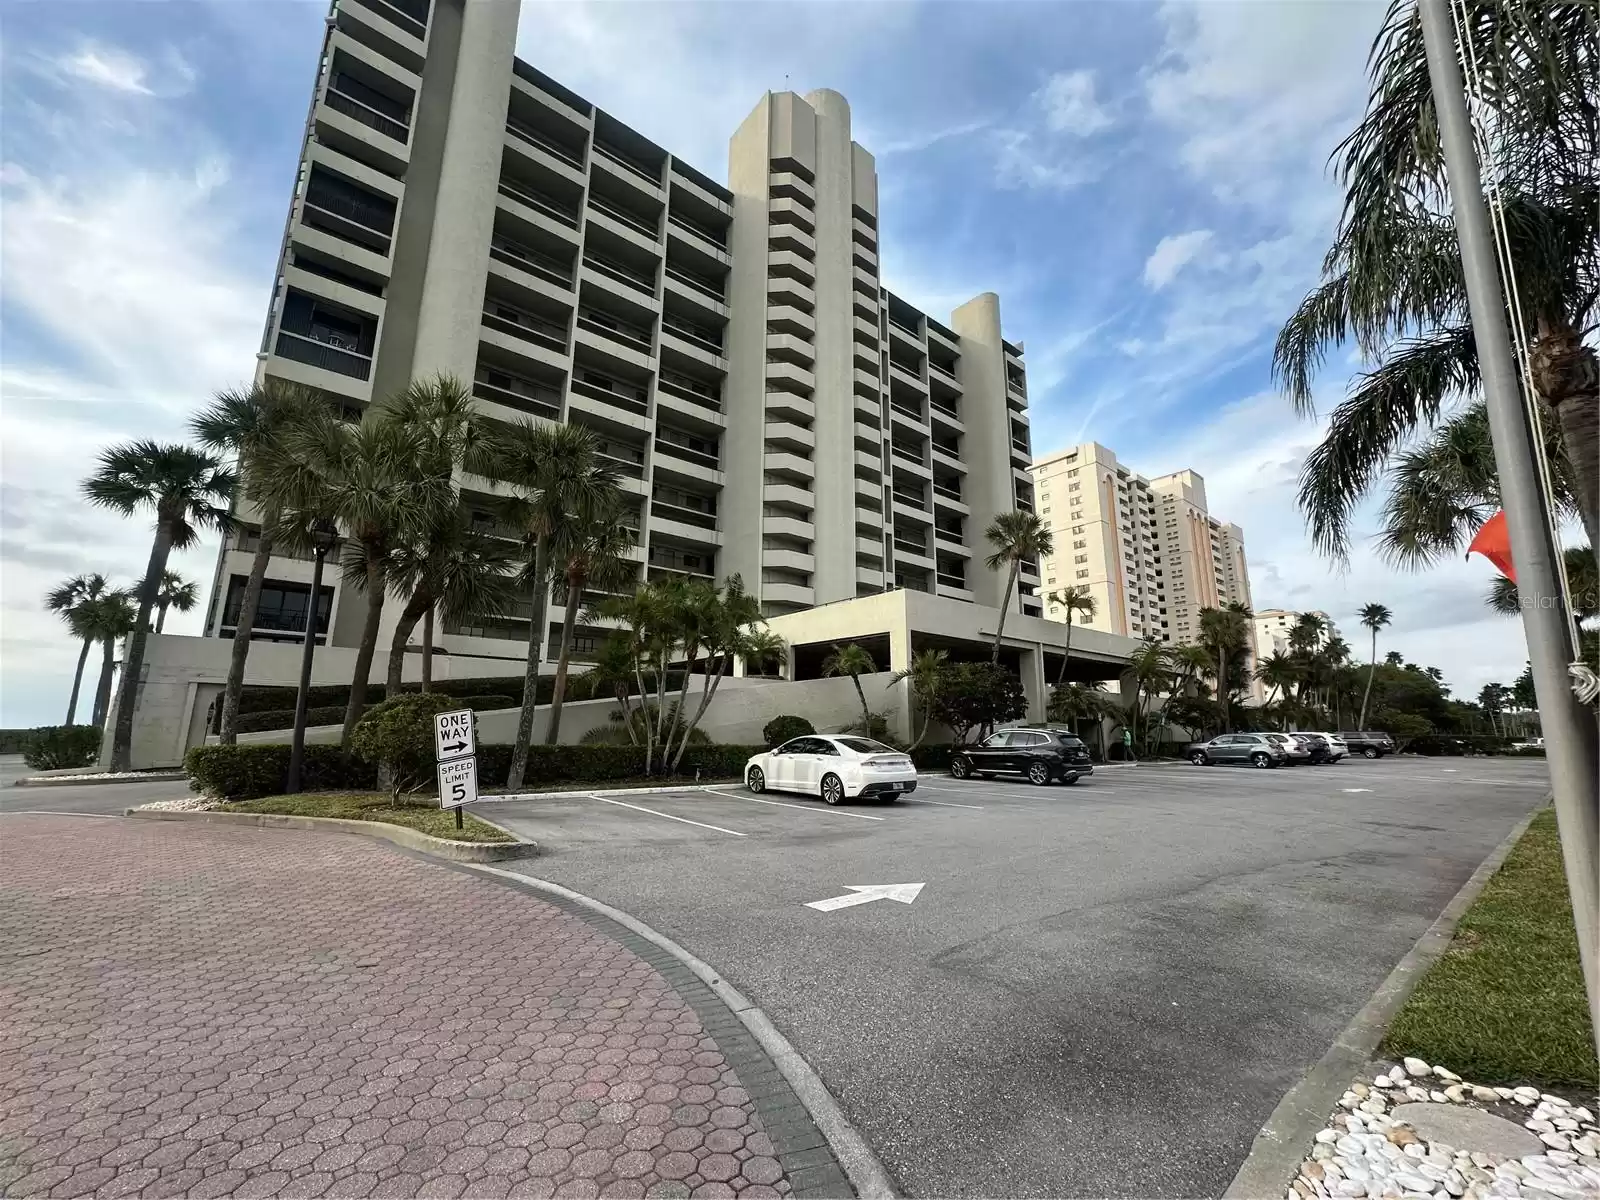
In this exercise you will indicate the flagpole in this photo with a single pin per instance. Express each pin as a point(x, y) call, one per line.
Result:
point(1571, 745)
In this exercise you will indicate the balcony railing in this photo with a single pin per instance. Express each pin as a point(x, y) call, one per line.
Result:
point(1019, 444)
point(627, 399)
point(949, 410)
point(911, 583)
point(621, 215)
point(677, 450)
point(904, 328)
point(615, 270)
point(405, 20)
point(711, 235)
point(687, 516)
point(699, 284)
point(367, 115)
point(906, 410)
point(317, 353)
point(947, 532)
point(536, 199)
point(517, 255)
point(529, 329)
point(704, 338)
point(948, 451)
point(940, 369)
point(548, 144)
point(627, 162)
point(539, 402)
point(913, 499)
point(949, 493)
point(952, 581)
point(695, 390)
point(627, 466)
point(634, 339)
point(368, 216)
point(911, 547)
point(911, 456)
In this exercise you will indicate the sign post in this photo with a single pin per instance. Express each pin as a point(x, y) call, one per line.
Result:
point(455, 752)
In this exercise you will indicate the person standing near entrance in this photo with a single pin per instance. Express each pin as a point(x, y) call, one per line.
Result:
point(1127, 745)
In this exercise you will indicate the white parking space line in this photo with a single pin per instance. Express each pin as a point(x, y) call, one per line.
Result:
point(814, 811)
point(941, 803)
point(668, 816)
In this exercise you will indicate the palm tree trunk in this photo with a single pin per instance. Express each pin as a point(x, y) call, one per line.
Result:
point(679, 717)
point(1372, 669)
point(1005, 604)
point(1566, 374)
point(248, 603)
point(1222, 689)
point(558, 693)
point(77, 682)
point(409, 616)
point(122, 734)
point(866, 713)
point(1066, 653)
point(530, 674)
point(427, 650)
point(708, 692)
point(102, 692)
point(161, 617)
point(619, 693)
point(368, 648)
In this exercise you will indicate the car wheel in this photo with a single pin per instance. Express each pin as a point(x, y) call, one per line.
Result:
point(756, 781)
point(960, 767)
point(1261, 761)
point(1369, 752)
point(1038, 774)
point(1070, 780)
point(832, 789)
point(1199, 759)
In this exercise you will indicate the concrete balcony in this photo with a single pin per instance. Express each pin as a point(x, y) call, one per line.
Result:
point(786, 318)
point(537, 151)
point(553, 104)
point(683, 524)
point(790, 494)
point(785, 463)
point(304, 360)
point(525, 344)
point(941, 411)
point(869, 576)
point(866, 331)
point(867, 383)
point(945, 498)
point(943, 381)
point(871, 547)
point(792, 239)
point(791, 265)
point(946, 458)
point(861, 232)
point(681, 182)
point(867, 434)
point(784, 376)
point(907, 505)
point(539, 210)
point(789, 436)
point(910, 552)
point(364, 263)
point(636, 231)
point(907, 378)
point(788, 347)
point(607, 160)
point(949, 539)
point(339, 293)
point(387, 24)
point(864, 281)
point(780, 182)
point(952, 590)
point(868, 465)
point(702, 240)
point(790, 406)
point(792, 560)
point(524, 272)
point(868, 409)
point(789, 593)
point(870, 495)
point(784, 291)
point(789, 527)
point(608, 410)
point(366, 135)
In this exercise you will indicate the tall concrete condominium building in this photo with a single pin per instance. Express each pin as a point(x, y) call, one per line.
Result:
point(772, 410)
point(1271, 634)
point(1148, 550)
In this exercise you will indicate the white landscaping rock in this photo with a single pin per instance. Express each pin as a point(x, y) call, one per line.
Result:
point(1415, 1067)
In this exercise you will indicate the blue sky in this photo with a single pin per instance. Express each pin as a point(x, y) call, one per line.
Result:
point(1143, 184)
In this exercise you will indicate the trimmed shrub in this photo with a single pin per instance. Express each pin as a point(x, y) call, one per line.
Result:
point(781, 729)
point(333, 714)
point(14, 741)
point(336, 695)
point(398, 736)
point(57, 747)
point(1529, 752)
point(246, 772)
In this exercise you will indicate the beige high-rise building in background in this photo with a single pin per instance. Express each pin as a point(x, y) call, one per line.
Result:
point(1148, 550)
point(773, 412)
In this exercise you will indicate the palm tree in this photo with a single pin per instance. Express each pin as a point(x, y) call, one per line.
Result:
point(379, 480)
point(716, 625)
point(175, 592)
point(1393, 281)
point(189, 492)
point(1279, 673)
point(1016, 536)
point(1075, 598)
point(613, 669)
point(593, 552)
point(1583, 579)
point(1225, 631)
point(250, 424)
point(555, 472)
point(648, 637)
point(454, 571)
point(1150, 669)
point(67, 599)
point(766, 647)
point(926, 674)
point(850, 659)
point(1075, 702)
point(1374, 617)
point(1393, 658)
point(107, 619)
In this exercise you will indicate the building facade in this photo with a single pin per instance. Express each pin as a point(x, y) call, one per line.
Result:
point(1148, 550)
point(1271, 627)
point(772, 410)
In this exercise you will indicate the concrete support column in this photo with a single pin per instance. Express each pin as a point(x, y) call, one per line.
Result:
point(1031, 665)
point(900, 721)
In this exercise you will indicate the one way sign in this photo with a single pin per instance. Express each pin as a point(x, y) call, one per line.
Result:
point(452, 734)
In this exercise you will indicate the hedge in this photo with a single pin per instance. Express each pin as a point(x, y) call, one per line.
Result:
point(1453, 745)
point(333, 714)
point(246, 772)
point(254, 699)
point(57, 747)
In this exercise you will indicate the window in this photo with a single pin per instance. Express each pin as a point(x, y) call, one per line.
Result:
point(1083, 574)
point(1081, 558)
point(1077, 529)
point(282, 606)
point(1072, 474)
point(1077, 514)
point(1072, 487)
point(1079, 544)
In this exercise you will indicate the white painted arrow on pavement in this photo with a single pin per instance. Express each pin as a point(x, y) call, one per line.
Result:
point(905, 893)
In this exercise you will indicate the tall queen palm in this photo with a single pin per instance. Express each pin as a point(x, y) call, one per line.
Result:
point(1075, 598)
point(69, 599)
point(189, 492)
point(1374, 617)
point(1016, 536)
point(1393, 282)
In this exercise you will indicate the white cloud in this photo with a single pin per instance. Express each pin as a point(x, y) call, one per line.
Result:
point(1068, 101)
point(115, 69)
point(1172, 254)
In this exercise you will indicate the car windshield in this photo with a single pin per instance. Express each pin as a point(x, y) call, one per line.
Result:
point(1067, 739)
point(865, 745)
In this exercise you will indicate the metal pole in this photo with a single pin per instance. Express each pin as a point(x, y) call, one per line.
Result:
point(1570, 732)
point(297, 747)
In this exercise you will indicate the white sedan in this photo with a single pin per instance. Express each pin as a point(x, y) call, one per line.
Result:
point(833, 767)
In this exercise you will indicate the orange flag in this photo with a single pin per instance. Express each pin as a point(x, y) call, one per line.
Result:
point(1493, 541)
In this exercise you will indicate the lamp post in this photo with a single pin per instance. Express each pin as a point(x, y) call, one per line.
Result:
point(323, 536)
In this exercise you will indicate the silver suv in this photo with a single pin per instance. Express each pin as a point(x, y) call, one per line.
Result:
point(1256, 749)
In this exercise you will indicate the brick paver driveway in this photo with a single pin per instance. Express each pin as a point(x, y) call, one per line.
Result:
point(198, 1010)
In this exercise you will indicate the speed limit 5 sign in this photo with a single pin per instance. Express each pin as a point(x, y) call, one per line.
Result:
point(458, 782)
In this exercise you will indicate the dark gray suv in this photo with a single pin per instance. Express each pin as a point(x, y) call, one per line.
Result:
point(1040, 755)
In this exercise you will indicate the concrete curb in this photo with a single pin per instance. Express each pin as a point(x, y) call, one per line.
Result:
point(467, 852)
point(39, 781)
point(867, 1175)
point(1285, 1140)
point(686, 786)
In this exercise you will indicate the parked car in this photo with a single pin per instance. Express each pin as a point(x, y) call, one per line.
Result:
point(1337, 748)
point(1317, 748)
point(1257, 749)
point(835, 768)
point(1296, 753)
point(1039, 754)
point(1370, 743)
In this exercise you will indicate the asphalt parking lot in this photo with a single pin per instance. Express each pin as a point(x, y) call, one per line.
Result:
point(1100, 990)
